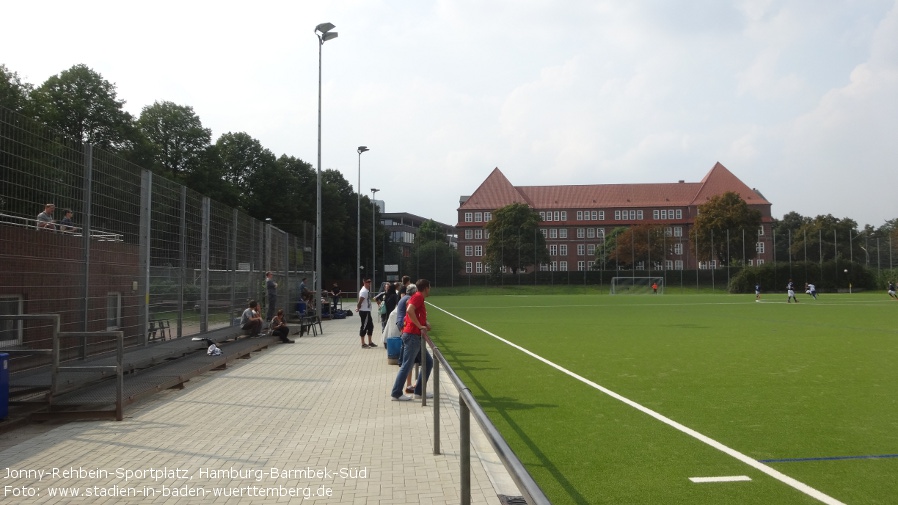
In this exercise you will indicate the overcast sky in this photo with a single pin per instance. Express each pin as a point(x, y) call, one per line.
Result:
point(798, 98)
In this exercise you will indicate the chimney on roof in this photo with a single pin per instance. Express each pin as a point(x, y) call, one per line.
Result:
point(681, 181)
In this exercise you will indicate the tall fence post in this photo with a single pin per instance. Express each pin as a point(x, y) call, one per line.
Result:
point(85, 239)
point(143, 303)
point(204, 268)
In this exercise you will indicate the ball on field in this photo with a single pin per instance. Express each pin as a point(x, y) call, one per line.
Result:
point(846, 270)
point(757, 301)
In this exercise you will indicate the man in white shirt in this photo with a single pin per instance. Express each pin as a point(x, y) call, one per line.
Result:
point(363, 308)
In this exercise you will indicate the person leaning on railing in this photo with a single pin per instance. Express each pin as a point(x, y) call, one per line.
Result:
point(413, 333)
point(45, 218)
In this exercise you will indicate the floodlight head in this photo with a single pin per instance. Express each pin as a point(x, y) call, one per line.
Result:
point(374, 190)
point(362, 149)
point(324, 27)
point(327, 36)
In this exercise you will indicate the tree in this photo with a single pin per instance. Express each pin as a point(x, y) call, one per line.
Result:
point(725, 227)
point(432, 257)
point(783, 231)
point(176, 135)
point(13, 92)
point(604, 250)
point(515, 240)
point(640, 244)
point(825, 238)
point(241, 157)
point(82, 105)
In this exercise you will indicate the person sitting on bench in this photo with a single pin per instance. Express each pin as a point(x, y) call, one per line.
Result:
point(279, 327)
point(251, 320)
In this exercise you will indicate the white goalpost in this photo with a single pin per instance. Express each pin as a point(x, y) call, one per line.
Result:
point(637, 285)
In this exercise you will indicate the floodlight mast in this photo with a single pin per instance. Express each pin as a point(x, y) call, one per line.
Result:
point(324, 33)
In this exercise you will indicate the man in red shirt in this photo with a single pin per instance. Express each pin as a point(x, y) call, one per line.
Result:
point(415, 327)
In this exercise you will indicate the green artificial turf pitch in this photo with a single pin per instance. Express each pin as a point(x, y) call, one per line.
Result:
point(808, 389)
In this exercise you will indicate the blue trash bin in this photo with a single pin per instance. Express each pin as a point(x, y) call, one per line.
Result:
point(394, 345)
point(4, 385)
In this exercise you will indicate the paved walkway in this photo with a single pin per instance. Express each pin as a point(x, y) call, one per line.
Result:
point(313, 419)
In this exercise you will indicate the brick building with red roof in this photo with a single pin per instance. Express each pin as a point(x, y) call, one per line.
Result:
point(577, 217)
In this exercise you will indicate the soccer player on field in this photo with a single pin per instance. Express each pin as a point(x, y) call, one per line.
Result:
point(758, 291)
point(790, 290)
point(892, 290)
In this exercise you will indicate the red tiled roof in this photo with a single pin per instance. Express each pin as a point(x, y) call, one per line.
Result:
point(496, 191)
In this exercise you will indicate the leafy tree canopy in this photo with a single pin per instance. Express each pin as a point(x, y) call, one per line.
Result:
point(176, 136)
point(724, 229)
point(515, 240)
point(84, 106)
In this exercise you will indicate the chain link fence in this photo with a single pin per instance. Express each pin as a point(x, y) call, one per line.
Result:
point(122, 248)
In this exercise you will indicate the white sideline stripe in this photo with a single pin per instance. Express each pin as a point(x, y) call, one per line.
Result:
point(734, 478)
point(789, 481)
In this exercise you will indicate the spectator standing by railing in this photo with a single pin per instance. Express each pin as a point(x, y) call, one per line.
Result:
point(413, 333)
point(66, 225)
point(45, 218)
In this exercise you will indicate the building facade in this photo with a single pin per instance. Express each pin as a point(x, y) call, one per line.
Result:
point(576, 218)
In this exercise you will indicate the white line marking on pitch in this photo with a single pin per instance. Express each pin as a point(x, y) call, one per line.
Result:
point(785, 479)
point(733, 478)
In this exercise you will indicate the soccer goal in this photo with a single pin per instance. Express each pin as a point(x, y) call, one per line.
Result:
point(637, 285)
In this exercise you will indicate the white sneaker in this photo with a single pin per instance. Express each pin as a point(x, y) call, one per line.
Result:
point(429, 396)
point(403, 398)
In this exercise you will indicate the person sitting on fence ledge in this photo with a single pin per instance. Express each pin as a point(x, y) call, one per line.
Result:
point(279, 328)
point(251, 320)
point(45, 218)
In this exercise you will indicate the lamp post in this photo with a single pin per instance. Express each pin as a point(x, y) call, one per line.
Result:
point(373, 237)
point(358, 225)
point(324, 33)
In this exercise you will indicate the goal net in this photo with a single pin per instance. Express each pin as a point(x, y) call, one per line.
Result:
point(637, 285)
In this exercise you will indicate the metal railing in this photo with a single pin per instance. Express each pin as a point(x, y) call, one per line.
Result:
point(57, 367)
point(74, 231)
point(528, 487)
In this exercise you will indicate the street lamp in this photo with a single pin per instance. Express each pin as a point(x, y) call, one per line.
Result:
point(324, 33)
point(373, 237)
point(358, 225)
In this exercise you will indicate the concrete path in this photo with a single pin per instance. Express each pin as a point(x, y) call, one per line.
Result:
point(310, 421)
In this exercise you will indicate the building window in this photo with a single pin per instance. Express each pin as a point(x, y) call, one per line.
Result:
point(10, 331)
point(487, 217)
point(656, 214)
point(488, 269)
point(581, 232)
point(564, 215)
point(679, 214)
point(469, 267)
point(590, 233)
point(761, 231)
point(563, 266)
point(113, 311)
point(617, 215)
point(668, 264)
point(579, 215)
point(469, 250)
point(760, 262)
point(581, 249)
point(562, 250)
point(479, 267)
point(553, 233)
point(678, 231)
point(469, 234)
point(581, 266)
point(543, 267)
point(562, 233)
point(478, 250)
point(590, 249)
point(478, 234)
point(478, 217)
point(469, 217)
point(601, 215)
point(678, 249)
point(545, 232)
point(553, 266)
point(668, 231)
point(600, 233)
point(759, 247)
point(678, 264)
point(553, 250)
